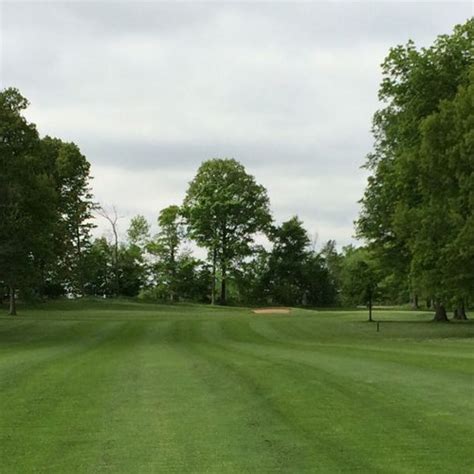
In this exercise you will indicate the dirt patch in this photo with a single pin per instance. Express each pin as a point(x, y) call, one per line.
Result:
point(271, 311)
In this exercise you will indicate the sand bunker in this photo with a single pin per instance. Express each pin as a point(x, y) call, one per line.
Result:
point(271, 311)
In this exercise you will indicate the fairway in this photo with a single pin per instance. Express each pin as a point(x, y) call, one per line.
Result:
point(125, 387)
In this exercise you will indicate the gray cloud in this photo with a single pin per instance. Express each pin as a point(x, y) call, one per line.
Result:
point(149, 90)
point(322, 158)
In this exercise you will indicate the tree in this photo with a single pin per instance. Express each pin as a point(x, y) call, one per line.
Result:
point(138, 232)
point(166, 245)
point(27, 197)
point(251, 276)
point(359, 277)
point(320, 288)
point(224, 208)
point(295, 272)
point(333, 263)
point(447, 190)
point(98, 269)
point(287, 259)
point(70, 171)
point(131, 270)
point(134, 257)
point(408, 193)
point(193, 278)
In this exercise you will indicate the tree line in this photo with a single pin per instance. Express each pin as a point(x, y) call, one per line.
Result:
point(416, 219)
point(47, 249)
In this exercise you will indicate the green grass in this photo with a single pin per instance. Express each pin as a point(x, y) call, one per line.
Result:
point(124, 387)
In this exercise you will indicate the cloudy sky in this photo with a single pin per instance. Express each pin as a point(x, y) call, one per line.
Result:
point(149, 90)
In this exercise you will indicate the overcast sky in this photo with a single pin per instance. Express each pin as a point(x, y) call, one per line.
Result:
point(150, 90)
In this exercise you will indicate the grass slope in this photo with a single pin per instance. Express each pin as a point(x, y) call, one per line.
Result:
point(134, 388)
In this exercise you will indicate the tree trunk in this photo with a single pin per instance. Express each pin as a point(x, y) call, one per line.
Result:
point(213, 289)
point(460, 312)
point(440, 314)
point(12, 311)
point(370, 310)
point(414, 302)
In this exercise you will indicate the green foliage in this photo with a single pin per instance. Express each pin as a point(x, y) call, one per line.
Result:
point(224, 207)
point(292, 273)
point(250, 276)
point(165, 247)
point(27, 197)
point(132, 270)
point(287, 259)
point(359, 276)
point(71, 237)
point(447, 205)
point(417, 212)
point(417, 203)
point(99, 270)
point(193, 279)
point(45, 206)
point(319, 287)
point(138, 232)
point(102, 275)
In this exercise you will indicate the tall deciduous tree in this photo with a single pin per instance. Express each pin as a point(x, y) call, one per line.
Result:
point(27, 197)
point(447, 199)
point(224, 208)
point(407, 205)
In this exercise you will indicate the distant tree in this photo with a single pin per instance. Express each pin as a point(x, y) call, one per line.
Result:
point(332, 260)
point(251, 276)
point(98, 269)
point(138, 232)
point(165, 247)
point(224, 208)
point(359, 277)
point(131, 270)
point(133, 261)
point(193, 278)
point(320, 288)
point(296, 273)
point(287, 260)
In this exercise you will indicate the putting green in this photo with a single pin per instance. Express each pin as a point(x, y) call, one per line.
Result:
point(134, 388)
